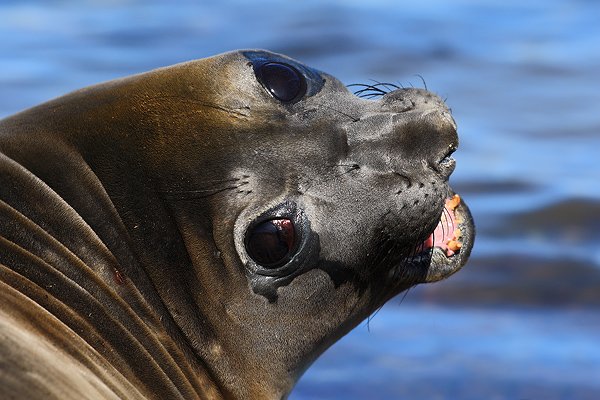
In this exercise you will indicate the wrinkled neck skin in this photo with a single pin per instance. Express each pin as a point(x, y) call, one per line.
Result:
point(142, 189)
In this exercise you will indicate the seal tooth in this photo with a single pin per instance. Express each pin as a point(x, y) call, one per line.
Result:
point(457, 233)
point(454, 245)
point(452, 203)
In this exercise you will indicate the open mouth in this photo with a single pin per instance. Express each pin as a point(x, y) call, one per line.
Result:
point(447, 235)
point(448, 247)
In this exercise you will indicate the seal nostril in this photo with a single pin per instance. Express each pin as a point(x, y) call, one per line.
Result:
point(446, 166)
point(447, 158)
point(451, 149)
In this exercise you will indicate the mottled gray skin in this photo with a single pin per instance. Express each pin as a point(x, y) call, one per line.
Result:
point(123, 212)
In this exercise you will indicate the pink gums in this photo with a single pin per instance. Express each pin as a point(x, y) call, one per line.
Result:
point(446, 234)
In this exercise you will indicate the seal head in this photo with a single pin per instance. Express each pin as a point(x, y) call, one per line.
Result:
point(206, 230)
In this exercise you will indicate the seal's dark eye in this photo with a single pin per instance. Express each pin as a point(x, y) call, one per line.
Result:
point(283, 81)
point(271, 243)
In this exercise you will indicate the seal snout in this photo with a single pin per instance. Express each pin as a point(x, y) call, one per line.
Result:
point(427, 132)
point(408, 129)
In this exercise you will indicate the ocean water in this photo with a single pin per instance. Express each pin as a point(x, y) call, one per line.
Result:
point(520, 321)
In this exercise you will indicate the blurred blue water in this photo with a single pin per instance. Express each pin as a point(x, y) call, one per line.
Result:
point(421, 352)
point(522, 80)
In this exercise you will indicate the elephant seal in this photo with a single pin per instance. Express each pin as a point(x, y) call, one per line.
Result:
point(206, 230)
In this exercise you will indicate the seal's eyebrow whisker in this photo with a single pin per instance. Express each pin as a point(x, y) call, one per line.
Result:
point(368, 90)
point(422, 80)
point(377, 89)
point(386, 85)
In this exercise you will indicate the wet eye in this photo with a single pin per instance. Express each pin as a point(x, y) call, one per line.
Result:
point(271, 243)
point(283, 81)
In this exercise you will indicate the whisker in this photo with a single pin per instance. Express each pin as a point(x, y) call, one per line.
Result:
point(422, 80)
point(448, 218)
point(377, 89)
point(343, 113)
point(369, 88)
point(386, 85)
point(404, 295)
point(207, 191)
point(194, 194)
point(370, 317)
